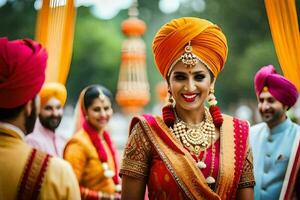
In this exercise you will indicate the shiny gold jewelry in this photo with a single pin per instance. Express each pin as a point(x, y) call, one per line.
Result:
point(210, 179)
point(101, 94)
point(197, 137)
point(188, 58)
point(211, 99)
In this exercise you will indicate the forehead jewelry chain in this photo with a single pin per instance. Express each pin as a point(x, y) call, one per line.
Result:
point(188, 58)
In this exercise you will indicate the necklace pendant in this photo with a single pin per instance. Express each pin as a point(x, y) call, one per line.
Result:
point(210, 180)
point(201, 165)
point(109, 173)
point(105, 166)
point(118, 188)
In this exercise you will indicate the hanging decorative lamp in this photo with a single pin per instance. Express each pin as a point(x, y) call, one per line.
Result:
point(133, 87)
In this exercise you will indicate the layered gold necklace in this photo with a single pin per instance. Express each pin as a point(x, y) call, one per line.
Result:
point(195, 137)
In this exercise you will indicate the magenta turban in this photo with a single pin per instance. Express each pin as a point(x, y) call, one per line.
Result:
point(281, 88)
point(22, 71)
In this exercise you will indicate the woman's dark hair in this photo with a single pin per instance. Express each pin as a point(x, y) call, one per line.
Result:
point(92, 92)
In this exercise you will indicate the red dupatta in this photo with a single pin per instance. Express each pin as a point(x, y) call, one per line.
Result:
point(183, 167)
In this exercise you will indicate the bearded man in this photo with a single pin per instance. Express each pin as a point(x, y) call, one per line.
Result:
point(275, 141)
point(27, 173)
point(53, 97)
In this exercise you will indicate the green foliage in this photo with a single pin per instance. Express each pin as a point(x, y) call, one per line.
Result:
point(96, 56)
point(17, 19)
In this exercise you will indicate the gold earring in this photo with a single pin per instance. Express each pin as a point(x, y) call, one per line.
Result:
point(171, 99)
point(211, 99)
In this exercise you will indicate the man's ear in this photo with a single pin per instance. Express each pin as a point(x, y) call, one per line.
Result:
point(28, 108)
point(286, 108)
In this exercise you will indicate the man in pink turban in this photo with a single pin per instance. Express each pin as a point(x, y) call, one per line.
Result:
point(275, 141)
point(26, 173)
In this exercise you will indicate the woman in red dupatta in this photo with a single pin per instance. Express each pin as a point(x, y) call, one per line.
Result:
point(91, 151)
point(191, 152)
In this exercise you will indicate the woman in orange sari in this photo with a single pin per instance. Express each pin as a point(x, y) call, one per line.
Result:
point(192, 152)
point(91, 151)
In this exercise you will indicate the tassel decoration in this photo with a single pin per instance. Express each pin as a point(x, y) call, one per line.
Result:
point(168, 115)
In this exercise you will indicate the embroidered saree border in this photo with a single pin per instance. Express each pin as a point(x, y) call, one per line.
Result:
point(226, 169)
point(292, 171)
point(33, 174)
point(234, 137)
point(182, 166)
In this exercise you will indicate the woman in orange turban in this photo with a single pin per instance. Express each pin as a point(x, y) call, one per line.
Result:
point(191, 152)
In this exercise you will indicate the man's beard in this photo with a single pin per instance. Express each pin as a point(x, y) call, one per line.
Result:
point(30, 120)
point(50, 122)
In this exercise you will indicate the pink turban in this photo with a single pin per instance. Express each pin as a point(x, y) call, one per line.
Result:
point(207, 40)
point(281, 88)
point(22, 71)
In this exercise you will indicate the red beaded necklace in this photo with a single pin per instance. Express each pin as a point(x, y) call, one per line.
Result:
point(94, 136)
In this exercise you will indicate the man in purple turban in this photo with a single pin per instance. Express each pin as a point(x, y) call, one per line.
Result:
point(275, 142)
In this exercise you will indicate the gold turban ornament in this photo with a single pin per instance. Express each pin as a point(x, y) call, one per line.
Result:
point(53, 89)
point(206, 39)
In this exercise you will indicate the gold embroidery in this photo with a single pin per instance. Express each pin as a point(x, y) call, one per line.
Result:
point(137, 154)
point(247, 176)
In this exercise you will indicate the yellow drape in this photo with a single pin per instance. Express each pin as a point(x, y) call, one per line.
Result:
point(55, 30)
point(282, 15)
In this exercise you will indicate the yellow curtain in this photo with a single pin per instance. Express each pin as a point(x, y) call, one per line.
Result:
point(282, 15)
point(55, 30)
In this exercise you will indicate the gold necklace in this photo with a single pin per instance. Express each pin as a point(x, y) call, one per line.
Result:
point(195, 137)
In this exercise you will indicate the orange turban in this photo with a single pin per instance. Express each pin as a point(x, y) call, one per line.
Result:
point(207, 40)
point(56, 90)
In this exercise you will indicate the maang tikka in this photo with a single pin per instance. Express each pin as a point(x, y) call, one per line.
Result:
point(101, 94)
point(188, 58)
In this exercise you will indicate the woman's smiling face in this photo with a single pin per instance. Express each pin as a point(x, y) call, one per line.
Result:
point(190, 85)
point(99, 113)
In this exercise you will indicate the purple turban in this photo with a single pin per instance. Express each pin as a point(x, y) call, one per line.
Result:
point(281, 88)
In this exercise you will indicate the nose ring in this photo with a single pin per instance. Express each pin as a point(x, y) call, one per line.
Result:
point(185, 88)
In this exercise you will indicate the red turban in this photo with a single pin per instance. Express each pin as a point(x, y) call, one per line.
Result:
point(22, 71)
point(280, 88)
point(207, 40)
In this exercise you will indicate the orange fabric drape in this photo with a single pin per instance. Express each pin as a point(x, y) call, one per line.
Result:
point(282, 15)
point(55, 30)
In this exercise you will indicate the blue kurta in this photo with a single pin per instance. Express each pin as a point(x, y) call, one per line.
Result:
point(271, 152)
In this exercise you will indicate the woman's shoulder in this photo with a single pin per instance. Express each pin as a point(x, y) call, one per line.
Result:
point(80, 137)
point(236, 119)
point(145, 120)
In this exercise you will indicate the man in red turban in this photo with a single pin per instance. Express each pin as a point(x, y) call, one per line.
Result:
point(34, 174)
point(276, 140)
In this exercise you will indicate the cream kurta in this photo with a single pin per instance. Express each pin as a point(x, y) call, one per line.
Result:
point(59, 181)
